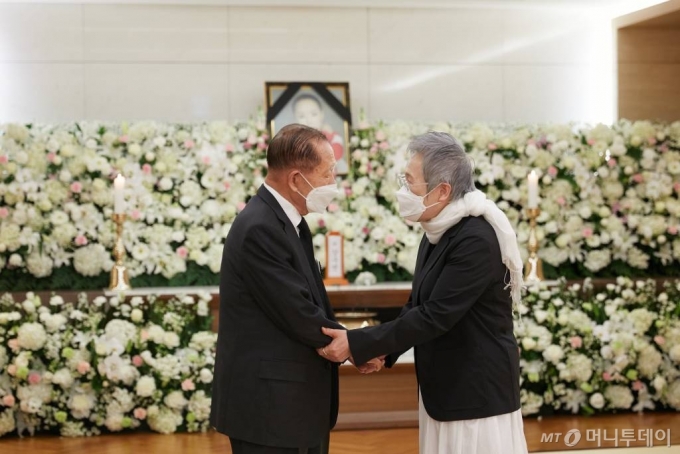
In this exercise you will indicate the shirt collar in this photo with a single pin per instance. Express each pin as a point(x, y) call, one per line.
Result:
point(288, 208)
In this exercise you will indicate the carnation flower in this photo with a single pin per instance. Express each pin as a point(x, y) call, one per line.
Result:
point(32, 336)
point(619, 397)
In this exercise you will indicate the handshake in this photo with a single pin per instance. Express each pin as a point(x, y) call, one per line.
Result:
point(338, 352)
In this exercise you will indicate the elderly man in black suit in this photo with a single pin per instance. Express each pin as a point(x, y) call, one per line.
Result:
point(272, 394)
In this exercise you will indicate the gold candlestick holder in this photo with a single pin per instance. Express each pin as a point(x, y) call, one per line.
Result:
point(119, 275)
point(534, 266)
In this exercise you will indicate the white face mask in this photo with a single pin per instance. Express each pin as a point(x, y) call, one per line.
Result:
point(412, 206)
point(319, 198)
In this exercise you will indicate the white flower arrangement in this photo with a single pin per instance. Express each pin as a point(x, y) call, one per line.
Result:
point(186, 183)
point(101, 371)
point(587, 352)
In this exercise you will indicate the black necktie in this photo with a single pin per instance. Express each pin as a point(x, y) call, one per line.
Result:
point(306, 239)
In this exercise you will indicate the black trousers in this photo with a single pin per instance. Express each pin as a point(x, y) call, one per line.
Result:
point(244, 447)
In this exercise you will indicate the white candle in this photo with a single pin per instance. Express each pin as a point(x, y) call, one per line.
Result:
point(533, 189)
point(118, 194)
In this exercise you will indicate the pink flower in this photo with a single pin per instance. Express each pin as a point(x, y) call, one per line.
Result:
point(265, 136)
point(552, 171)
point(366, 230)
point(4, 159)
point(137, 361)
point(676, 187)
point(561, 201)
point(638, 385)
point(188, 385)
point(8, 400)
point(380, 258)
point(123, 139)
point(652, 140)
point(76, 187)
point(146, 168)
point(135, 215)
point(261, 145)
point(612, 162)
point(348, 192)
point(206, 160)
point(247, 145)
point(83, 367)
point(189, 143)
point(333, 207)
point(183, 252)
point(576, 342)
point(251, 139)
point(13, 344)
point(390, 240)
point(606, 376)
point(587, 232)
point(139, 413)
point(229, 148)
point(374, 149)
point(144, 335)
point(492, 146)
point(81, 240)
point(34, 378)
point(12, 369)
point(660, 340)
point(638, 178)
point(51, 157)
point(227, 185)
point(240, 206)
point(4, 212)
point(322, 223)
point(673, 230)
point(380, 136)
point(591, 141)
point(384, 145)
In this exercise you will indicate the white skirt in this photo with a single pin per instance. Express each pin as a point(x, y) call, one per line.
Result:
point(494, 435)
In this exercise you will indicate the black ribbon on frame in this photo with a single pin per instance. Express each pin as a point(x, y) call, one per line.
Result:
point(321, 89)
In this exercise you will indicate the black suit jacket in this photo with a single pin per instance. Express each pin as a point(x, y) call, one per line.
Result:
point(270, 385)
point(459, 318)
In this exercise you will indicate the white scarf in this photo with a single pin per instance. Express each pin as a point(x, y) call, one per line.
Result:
point(475, 203)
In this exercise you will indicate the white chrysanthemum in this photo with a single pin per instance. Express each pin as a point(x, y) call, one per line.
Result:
point(553, 354)
point(39, 265)
point(199, 405)
point(53, 322)
point(579, 368)
point(649, 361)
point(121, 330)
point(203, 340)
point(32, 336)
point(118, 369)
point(145, 386)
point(63, 378)
point(171, 340)
point(7, 424)
point(81, 403)
point(169, 367)
point(619, 396)
point(114, 422)
point(90, 260)
point(673, 395)
point(531, 402)
point(10, 236)
point(674, 353)
point(642, 319)
point(175, 400)
point(164, 420)
point(596, 260)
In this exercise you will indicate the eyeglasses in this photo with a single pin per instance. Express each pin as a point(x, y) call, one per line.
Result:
point(403, 182)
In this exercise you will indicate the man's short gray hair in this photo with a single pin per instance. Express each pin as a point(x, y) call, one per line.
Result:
point(444, 161)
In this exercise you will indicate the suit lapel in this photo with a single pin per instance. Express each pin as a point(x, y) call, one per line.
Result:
point(292, 235)
point(426, 267)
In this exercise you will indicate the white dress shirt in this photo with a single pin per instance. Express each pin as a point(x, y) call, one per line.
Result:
point(288, 208)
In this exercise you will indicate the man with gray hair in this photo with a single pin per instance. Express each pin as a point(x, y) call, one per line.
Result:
point(459, 315)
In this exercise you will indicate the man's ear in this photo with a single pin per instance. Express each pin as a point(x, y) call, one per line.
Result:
point(445, 192)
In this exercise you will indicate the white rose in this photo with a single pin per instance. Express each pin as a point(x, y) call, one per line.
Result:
point(528, 343)
point(171, 340)
point(145, 386)
point(597, 401)
point(136, 315)
point(175, 400)
point(206, 376)
point(553, 354)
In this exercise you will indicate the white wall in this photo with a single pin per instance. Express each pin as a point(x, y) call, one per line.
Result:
point(63, 62)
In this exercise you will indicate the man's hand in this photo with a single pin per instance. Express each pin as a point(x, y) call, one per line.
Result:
point(374, 365)
point(338, 350)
